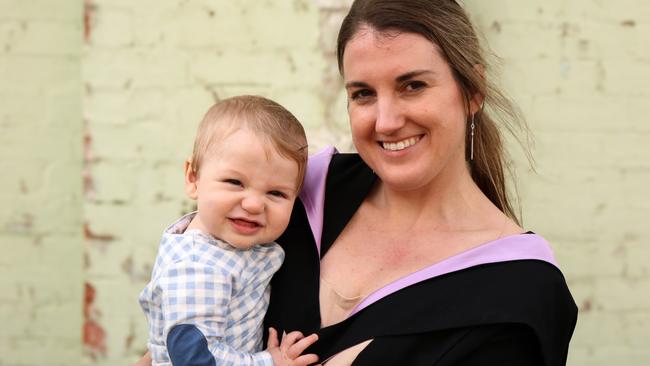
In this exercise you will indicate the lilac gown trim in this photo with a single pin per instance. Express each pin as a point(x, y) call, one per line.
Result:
point(312, 194)
point(510, 248)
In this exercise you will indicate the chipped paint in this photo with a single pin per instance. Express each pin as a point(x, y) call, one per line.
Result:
point(142, 276)
point(94, 335)
point(628, 23)
point(86, 173)
point(21, 224)
point(23, 187)
point(88, 18)
point(90, 235)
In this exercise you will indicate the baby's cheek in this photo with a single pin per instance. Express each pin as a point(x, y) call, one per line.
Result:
point(283, 218)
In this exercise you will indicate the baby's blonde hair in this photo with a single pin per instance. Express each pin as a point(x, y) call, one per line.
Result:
point(265, 118)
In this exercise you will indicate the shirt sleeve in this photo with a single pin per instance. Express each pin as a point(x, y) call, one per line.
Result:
point(194, 299)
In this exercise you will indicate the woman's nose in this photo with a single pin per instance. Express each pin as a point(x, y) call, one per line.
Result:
point(252, 204)
point(389, 116)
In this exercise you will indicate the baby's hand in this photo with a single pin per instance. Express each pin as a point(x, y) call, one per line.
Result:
point(288, 352)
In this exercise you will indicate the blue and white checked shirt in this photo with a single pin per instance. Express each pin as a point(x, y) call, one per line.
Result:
point(221, 290)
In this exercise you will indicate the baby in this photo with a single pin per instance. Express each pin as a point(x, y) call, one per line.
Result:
point(209, 288)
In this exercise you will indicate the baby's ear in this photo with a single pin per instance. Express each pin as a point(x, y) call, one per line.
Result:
point(190, 180)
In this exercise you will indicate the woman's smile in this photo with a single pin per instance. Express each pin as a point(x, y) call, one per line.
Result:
point(401, 144)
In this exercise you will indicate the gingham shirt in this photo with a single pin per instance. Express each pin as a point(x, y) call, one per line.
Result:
point(205, 282)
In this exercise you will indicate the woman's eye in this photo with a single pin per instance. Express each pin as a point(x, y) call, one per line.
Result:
point(361, 94)
point(234, 182)
point(414, 86)
point(278, 194)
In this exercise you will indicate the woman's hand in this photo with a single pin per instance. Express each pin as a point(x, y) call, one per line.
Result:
point(144, 361)
point(288, 353)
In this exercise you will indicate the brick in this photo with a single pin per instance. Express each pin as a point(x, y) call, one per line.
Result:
point(126, 68)
point(21, 74)
point(40, 9)
point(615, 114)
point(610, 291)
point(253, 68)
point(511, 39)
point(553, 76)
point(599, 329)
point(622, 76)
point(113, 29)
point(27, 37)
point(603, 356)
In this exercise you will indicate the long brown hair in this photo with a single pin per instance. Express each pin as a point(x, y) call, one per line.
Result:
point(445, 24)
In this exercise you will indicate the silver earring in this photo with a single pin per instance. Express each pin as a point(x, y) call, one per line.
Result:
point(472, 126)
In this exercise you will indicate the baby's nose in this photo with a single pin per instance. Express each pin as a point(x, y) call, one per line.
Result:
point(253, 204)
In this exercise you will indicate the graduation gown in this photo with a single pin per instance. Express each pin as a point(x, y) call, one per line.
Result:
point(502, 303)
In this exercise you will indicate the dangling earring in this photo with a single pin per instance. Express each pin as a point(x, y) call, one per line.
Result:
point(472, 126)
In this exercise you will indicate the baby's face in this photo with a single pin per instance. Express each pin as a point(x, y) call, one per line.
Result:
point(245, 191)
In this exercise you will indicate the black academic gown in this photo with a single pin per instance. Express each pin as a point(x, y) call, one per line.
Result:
point(507, 313)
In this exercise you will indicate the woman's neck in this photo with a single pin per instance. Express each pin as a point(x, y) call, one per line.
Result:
point(450, 202)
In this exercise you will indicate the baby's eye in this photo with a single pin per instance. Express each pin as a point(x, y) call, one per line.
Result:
point(234, 182)
point(278, 194)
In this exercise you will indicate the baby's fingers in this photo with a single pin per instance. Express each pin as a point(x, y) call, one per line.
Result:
point(306, 360)
point(273, 339)
point(299, 347)
point(290, 339)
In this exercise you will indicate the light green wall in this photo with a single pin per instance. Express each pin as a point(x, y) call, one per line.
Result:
point(580, 70)
point(150, 71)
point(96, 120)
point(40, 188)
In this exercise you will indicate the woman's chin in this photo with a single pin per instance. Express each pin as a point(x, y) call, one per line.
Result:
point(402, 181)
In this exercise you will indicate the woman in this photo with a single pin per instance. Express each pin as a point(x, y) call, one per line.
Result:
point(422, 259)
point(410, 253)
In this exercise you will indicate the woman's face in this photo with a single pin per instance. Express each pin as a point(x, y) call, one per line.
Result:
point(407, 112)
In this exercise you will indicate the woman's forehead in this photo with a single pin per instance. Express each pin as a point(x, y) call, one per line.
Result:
point(379, 49)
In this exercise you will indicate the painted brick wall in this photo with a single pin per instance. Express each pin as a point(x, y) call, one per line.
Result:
point(580, 70)
point(97, 116)
point(150, 71)
point(40, 184)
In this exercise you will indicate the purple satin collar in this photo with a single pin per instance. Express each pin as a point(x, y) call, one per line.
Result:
point(510, 248)
point(312, 194)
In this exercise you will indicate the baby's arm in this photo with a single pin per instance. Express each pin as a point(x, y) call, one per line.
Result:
point(195, 300)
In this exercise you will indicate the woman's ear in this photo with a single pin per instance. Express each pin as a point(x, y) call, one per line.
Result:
point(190, 180)
point(476, 103)
point(477, 99)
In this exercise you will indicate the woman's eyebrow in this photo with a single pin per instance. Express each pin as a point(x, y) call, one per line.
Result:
point(411, 74)
point(407, 76)
point(356, 84)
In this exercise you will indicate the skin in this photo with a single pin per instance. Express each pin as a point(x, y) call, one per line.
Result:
point(243, 199)
point(408, 120)
point(399, 89)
